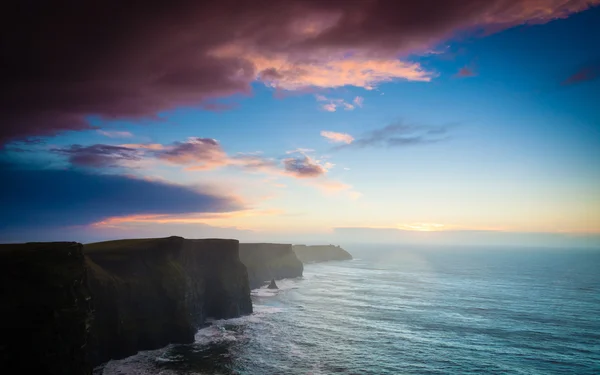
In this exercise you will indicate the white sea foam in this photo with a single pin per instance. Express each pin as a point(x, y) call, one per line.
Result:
point(283, 285)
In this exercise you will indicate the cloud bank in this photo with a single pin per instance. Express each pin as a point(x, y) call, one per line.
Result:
point(157, 56)
point(31, 198)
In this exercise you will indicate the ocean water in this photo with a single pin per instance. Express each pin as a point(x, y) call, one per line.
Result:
point(403, 310)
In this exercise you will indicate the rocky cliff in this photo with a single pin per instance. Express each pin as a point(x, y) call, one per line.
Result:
point(320, 253)
point(46, 310)
point(151, 292)
point(67, 307)
point(266, 261)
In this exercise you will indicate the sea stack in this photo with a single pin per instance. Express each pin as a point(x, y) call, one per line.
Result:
point(272, 285)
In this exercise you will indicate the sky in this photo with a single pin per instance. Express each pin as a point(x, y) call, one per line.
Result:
point(305, 121)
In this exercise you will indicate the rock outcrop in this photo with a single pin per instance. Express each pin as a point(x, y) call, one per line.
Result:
point(67, 308)
point(272, 285)
point(152, 292)
point(266, 261)
point(46, 309)
point(320, 253)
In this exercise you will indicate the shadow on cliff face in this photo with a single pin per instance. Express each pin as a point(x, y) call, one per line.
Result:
point(152, 292)
point(78, 306)
point(267, 261)
point(46, 309)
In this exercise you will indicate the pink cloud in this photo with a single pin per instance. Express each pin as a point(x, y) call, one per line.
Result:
point(359, 100)
point(329, 107)
point(157, 56)
point(337, 137)
point(332, 104)
point(114, 134)
point(587, 73)
point(146, 146)
point(203, 153)
point(466, 72)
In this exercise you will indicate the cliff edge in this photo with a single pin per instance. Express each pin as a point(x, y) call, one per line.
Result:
point(152, 292)
point(67, 308)
point(46, 309)
point(266, 261)
point(320, 253)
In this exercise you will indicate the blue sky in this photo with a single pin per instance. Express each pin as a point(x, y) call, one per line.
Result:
point(517, 147)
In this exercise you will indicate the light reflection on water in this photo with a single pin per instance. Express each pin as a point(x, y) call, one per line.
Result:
point(407, 312)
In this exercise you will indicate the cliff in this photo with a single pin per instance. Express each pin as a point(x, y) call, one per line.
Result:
point(46, 309)
point(266, 261)
point(67, 308)
point(152, 292)
point(320, 253)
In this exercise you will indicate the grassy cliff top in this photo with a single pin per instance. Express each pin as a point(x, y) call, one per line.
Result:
point(36, 246)
point(130, 244)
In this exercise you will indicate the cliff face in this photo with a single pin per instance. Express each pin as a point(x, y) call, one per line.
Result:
point(320, 253)
point(46, 309)
point(151, 292)
point(266, 261)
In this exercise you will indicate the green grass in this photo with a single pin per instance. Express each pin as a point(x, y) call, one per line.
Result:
point(122, 245)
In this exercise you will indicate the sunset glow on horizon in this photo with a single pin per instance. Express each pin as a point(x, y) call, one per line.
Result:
point(341, 115)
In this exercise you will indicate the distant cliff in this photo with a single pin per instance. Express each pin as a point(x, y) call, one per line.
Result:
point(320, 253)
point(151, 292)
point(64, 312)
point(46, 309)
point(266, 261)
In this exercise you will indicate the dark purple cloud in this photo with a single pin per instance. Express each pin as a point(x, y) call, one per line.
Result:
point(589, 72)
point(303, 167)
point(65, 60)
point(193, 150)
point(99, 155)
point(69, 197)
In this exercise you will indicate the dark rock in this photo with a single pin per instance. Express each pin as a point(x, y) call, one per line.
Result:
point(46, 309)
point(320, 253)
point(152, 292)
point(266, 261)
point(67, 308)
point(272, 285)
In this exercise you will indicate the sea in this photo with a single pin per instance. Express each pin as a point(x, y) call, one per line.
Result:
point(408, 310)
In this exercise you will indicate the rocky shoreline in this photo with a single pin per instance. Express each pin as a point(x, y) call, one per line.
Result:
point(70, 307)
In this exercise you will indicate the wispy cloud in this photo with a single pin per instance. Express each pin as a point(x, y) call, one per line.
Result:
point(333, 104)
point(98, 155)
point(335, 137)
point(587, 73)
point(300, 150)
point(114, 133)
point(358, 101)
point(303, 167)
point(329, 107)
point(399, 135)
point(203, 153)
point(327, 70)
point(144, 146)
point(465, 72)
